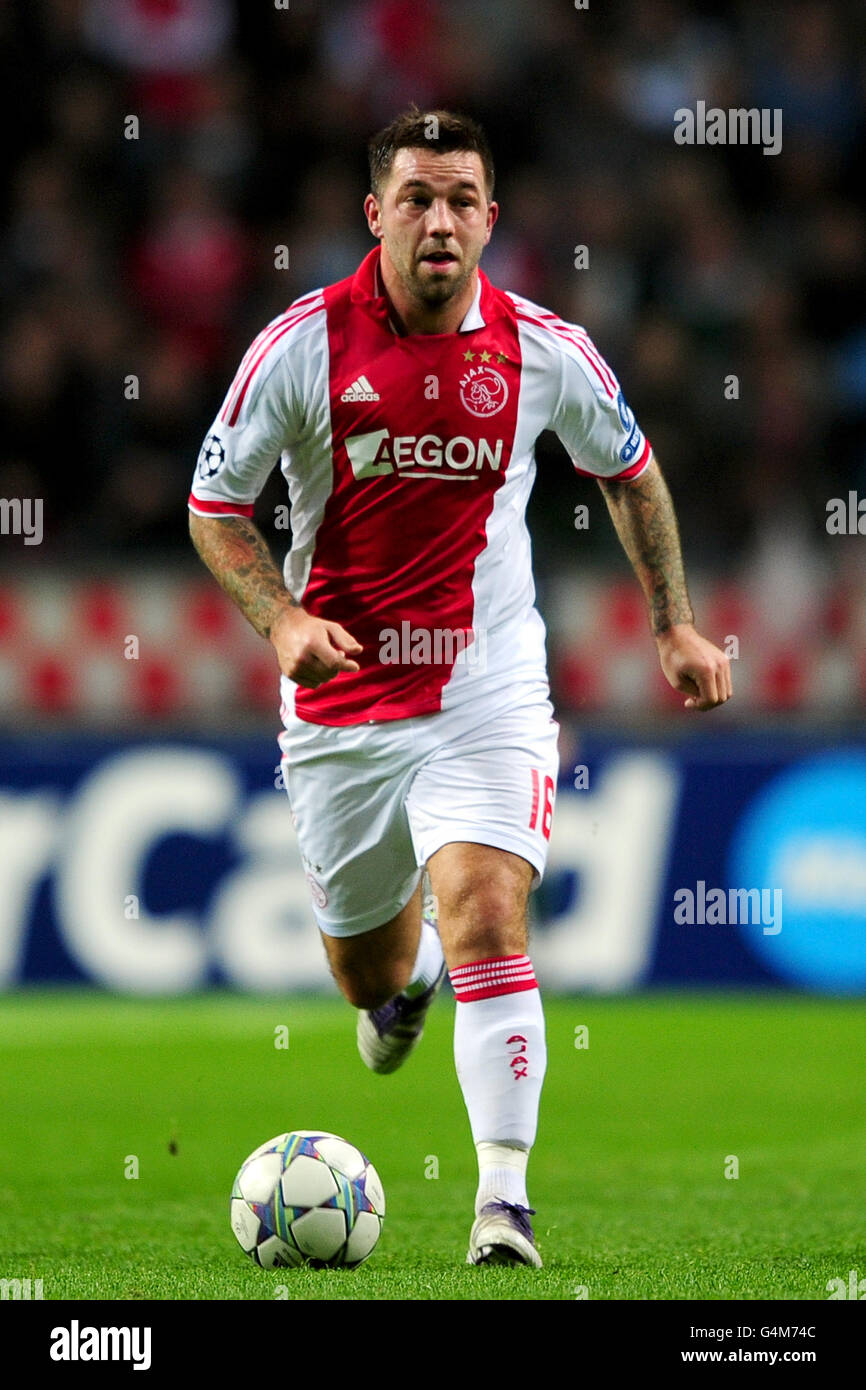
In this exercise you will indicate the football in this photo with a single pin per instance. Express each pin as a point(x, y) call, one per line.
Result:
point(307, 1198)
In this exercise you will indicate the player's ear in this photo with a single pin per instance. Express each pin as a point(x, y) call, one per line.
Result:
point(492, 214)
point(373, 214)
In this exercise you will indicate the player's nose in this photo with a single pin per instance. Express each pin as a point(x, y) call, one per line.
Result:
point(440, 218)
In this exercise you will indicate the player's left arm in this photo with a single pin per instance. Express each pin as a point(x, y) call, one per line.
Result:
point(590, 415)
point(645, 521)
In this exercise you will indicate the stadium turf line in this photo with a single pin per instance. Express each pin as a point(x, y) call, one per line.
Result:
point(628, 1177)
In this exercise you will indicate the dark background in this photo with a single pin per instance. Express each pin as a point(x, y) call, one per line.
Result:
point(155, 257)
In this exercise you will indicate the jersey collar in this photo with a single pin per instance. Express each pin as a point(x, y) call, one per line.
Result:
point(368, 294)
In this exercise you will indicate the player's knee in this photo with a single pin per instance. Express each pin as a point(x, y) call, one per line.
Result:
point(489, 902)
point(487, 916)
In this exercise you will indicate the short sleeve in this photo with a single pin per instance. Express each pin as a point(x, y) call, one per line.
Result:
point(259, 418)
point(592, 420)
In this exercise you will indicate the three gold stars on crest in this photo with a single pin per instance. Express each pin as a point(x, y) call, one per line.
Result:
point(485, 356)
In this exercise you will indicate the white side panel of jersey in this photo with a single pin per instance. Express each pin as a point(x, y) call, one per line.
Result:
point(568, 383)
point(567, 386)
point(510, 630)
point(308, 465)
point(307, 462)
point(285, 415)
point(263, 412)
point(277, 408)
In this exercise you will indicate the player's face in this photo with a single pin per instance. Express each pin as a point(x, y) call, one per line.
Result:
point(434, 221)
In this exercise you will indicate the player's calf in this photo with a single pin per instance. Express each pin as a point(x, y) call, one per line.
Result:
point(370, 990)
point(372, 966)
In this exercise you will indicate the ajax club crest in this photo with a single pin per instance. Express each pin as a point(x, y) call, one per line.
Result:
point(483, 390)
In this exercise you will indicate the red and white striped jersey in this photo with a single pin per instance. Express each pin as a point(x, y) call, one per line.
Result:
point(409, 462)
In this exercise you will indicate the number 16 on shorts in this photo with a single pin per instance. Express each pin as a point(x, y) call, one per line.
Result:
point(543, 796)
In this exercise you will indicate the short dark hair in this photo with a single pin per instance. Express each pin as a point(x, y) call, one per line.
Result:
point(437, 130)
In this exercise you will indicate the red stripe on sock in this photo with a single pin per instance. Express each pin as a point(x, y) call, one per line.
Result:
point(485, 979)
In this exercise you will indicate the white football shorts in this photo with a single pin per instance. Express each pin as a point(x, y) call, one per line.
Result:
point(372, 802)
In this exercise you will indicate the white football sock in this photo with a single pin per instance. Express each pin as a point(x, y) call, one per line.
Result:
point(501, 1057)
point(501, 1174)
point(428, 962)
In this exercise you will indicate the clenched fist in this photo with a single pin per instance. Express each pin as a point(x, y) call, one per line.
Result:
point(694, 666)
point(312, 650)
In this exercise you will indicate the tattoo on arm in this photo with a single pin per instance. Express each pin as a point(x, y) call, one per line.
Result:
point(236, 553)
point(643, 514)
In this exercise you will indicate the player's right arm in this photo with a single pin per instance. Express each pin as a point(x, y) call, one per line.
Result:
point(261, 416)
point(309, 650)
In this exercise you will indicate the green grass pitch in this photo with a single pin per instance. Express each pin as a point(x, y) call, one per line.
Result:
point(628, 1176)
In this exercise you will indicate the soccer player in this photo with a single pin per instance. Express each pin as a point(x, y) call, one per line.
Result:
point(418, 735)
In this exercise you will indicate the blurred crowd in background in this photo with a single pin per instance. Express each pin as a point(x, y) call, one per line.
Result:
point(155, 256)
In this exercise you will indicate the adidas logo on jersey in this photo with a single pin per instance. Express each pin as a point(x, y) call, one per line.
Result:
point(360, 390)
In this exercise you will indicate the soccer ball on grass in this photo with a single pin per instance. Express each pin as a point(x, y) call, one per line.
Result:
point(307, 1197)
